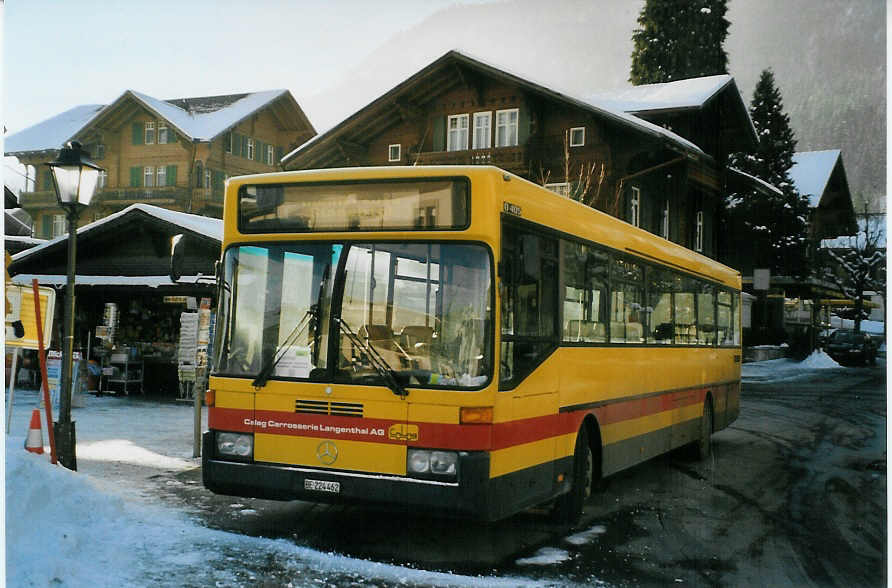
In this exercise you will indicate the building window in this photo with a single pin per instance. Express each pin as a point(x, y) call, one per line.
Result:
point(100, 151)
point(162, 133)
point(250, 148)
point(457, 138)
point(270, 155)
point(635, 207)
point(150, 133)
point(161, 175)
point(698, 235)
point(103, 179)
point(506, 128)
point(228, 142)
point(562, 188)
point(207, 178)
point(482, 130)
point(664, 221)
point(394, 152)
point(148, 175)
point(577, 136)
point(58, 225)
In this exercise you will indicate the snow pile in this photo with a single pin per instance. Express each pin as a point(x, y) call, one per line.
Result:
point(818, 360)
point(63, 528)
point(786, 369)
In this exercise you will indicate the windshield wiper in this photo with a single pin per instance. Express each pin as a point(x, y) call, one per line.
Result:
point(267, 369)
point(379, 363)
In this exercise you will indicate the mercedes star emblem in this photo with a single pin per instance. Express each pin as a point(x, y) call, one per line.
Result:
point(327, 452)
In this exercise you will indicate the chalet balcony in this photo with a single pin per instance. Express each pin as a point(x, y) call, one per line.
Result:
point(41, 199)
point(512, 159)
point(127, 196)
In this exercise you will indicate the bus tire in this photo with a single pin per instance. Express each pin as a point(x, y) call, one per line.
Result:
point(704, 445)
point(568, 507)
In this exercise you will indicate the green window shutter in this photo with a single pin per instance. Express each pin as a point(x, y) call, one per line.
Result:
point(279, 155)
point(48, 180)
point(46, 226)
point(171, 175)
point(439, 134)
point(523, 127)
point(227, 143)
point(138, 136)
point(244, 146)
point(171, 136)
point(135, 177)
point(259, 154)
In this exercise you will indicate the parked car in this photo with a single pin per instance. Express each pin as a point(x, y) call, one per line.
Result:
point(846, 346)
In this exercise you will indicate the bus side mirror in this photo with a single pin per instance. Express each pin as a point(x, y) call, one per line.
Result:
point(176, 258)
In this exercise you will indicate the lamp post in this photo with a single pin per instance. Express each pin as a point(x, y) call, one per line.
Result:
point(75, 178)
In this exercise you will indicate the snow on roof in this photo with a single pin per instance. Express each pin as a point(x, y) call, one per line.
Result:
point(207, 124)
point(761, 182)
point(811, 171)
point(680, 94)
point(53, 132)
point(203, 124)
point(209, 227)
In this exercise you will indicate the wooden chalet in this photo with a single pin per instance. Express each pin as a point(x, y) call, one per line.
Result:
point(821, 176)
point(651, 155)
point(170, 153)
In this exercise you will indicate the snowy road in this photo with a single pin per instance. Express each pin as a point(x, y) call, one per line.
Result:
point(794, 495)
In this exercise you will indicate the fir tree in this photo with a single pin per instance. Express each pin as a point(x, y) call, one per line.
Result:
point(679, 39)
point(773, 226)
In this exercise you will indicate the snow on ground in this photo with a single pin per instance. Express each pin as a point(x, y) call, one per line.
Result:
point(100, 526)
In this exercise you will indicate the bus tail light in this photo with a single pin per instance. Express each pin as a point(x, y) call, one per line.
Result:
point(209, 398)
point(475, 415)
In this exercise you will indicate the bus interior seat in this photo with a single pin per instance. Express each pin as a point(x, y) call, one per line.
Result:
point(416, 341)
point(381, 337)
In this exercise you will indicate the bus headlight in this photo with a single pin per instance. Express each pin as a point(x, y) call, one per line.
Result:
point(235, 444)
point(427, 463)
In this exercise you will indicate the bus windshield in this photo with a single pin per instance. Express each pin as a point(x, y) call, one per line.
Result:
point(422, 308)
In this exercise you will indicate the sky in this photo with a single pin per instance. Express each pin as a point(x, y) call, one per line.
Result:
point(59, 54)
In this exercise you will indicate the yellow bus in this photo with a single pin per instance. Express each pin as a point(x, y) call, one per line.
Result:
point(454, 339)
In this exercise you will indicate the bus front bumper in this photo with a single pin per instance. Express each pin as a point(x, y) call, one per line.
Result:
point(471, 496)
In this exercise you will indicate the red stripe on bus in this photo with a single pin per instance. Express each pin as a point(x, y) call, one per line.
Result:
point(447, 435)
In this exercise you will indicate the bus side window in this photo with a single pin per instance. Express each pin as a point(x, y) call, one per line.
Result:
point(661, 283)
point(585, 293)
point(627, 309)
point(529, 302)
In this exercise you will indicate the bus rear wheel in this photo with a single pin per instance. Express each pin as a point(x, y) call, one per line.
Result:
point(704, 445)
point(568, 507)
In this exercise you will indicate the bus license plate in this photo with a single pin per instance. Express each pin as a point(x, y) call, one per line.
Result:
point(322, 486)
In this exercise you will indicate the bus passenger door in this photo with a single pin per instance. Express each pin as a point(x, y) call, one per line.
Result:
point(528, 370)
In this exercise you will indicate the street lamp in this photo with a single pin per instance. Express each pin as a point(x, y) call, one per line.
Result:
point(75, 178)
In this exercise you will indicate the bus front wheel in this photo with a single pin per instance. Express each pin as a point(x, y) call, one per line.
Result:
point(568, 507)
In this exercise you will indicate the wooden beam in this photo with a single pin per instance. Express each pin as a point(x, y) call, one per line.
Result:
point(408, 110)
point(472, 82)
point(351, 151)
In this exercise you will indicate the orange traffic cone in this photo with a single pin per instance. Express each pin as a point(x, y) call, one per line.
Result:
point(34, 441)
